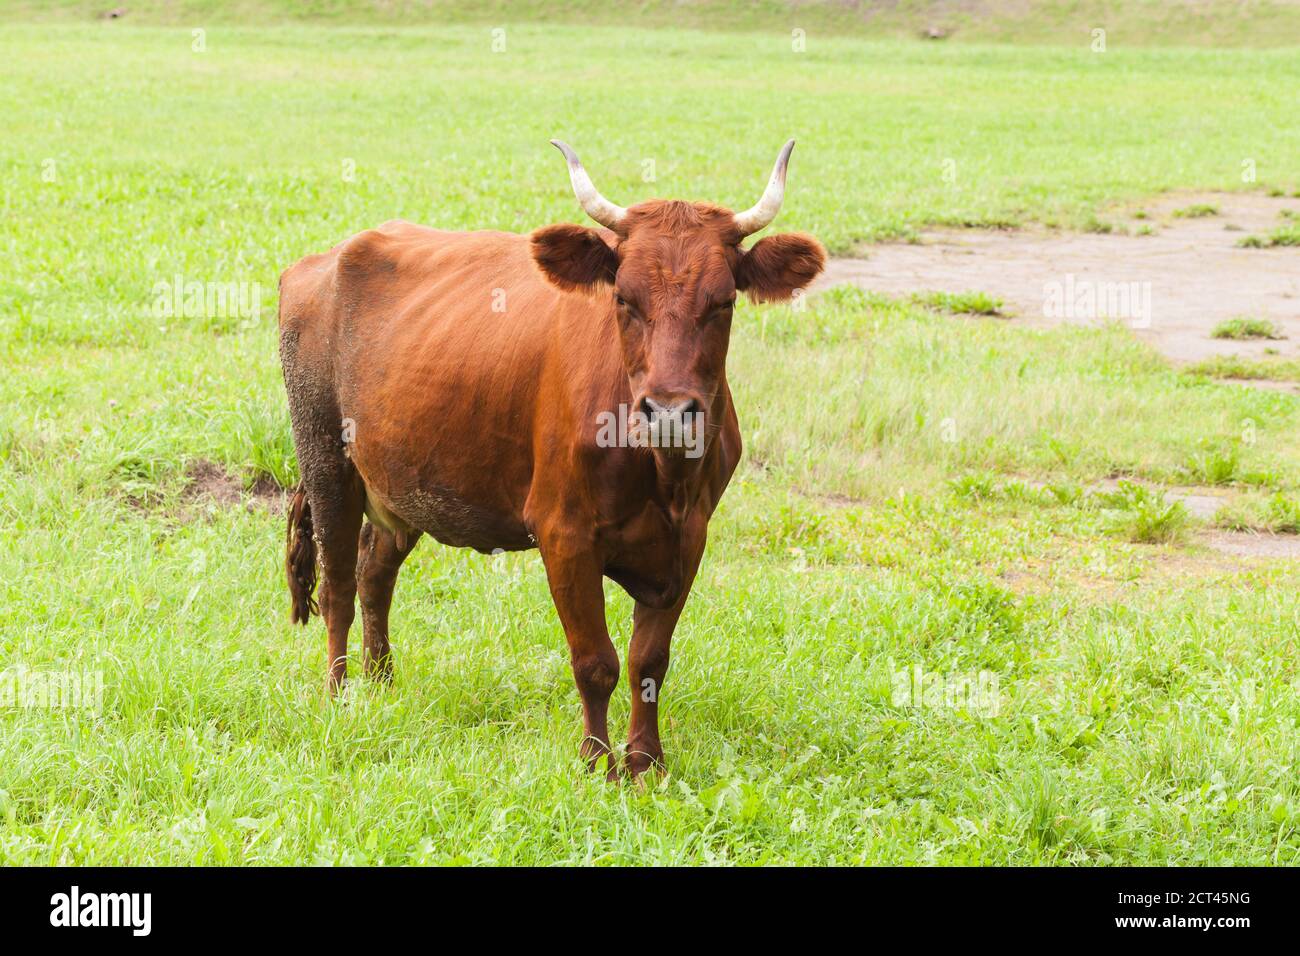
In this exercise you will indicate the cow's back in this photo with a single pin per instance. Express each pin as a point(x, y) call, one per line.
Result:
point(428, 289)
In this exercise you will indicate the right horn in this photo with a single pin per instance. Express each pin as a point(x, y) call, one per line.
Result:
point(760, 215)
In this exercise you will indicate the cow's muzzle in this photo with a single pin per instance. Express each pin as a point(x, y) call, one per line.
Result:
point(676, 424)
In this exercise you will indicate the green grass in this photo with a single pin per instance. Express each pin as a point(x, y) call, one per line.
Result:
point(1213, 463)
point(1196, 211)
point(1246, 327)
point(960, 303)
point(1276, 514)
point(1143, 515)
point(432, 125)
point(1287, 234)
point(1235, 366)
point(912, 491)
point(1094, 225)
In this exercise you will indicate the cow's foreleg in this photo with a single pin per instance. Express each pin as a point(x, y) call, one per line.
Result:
point(647, 662)
point(378, 560)
point(576, 587)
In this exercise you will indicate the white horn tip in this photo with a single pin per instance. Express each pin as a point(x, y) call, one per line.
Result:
point(784, 158)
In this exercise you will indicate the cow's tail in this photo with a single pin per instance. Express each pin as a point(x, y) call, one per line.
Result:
point(300, 559)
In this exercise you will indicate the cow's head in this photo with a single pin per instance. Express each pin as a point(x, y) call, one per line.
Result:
point(672, 270)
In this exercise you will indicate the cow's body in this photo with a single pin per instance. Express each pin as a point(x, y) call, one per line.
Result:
point(442, 348)
point(456, 385)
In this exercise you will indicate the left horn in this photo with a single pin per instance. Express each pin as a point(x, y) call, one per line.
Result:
point(597, 206)
point(755, 218)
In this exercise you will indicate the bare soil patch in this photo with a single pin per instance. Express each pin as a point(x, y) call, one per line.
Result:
point(1197, 274)
point(1248, 544)
point(211, 485)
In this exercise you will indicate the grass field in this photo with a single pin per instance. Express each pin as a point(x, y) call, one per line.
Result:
point(915, 492)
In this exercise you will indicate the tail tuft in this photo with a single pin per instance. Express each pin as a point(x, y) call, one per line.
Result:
point(300, 559)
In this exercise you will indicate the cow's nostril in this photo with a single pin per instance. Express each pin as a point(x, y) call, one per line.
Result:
point(653, 408)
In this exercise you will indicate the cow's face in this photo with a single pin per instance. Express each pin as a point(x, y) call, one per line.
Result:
point(670, 271)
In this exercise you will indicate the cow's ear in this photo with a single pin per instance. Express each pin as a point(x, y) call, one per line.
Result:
point(775, 266)
point(573, 257)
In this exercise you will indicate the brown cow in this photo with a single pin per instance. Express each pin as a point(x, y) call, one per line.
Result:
point(456, 383)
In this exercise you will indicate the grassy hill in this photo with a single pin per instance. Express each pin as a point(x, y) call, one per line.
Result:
point(1133, 23)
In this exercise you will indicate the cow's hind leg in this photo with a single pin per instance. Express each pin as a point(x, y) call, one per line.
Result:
point(378, 560)
point(337, 501)
point(334, 491)
point(337, 519)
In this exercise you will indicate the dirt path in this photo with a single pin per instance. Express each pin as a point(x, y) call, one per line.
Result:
point(1174, 285)
point(1189, 271)
point(1204, 504)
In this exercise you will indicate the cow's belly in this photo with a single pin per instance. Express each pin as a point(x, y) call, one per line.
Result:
point(461, 484)
point(448, 517)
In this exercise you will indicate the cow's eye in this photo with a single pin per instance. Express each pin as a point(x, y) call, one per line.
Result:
point(722, 311)
point(626, 309)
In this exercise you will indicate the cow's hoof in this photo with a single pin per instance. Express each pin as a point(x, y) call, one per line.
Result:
point(380, 673)
point(599, 759)
point(640, 762)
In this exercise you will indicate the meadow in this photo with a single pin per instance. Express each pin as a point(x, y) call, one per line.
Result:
point(919, 487)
